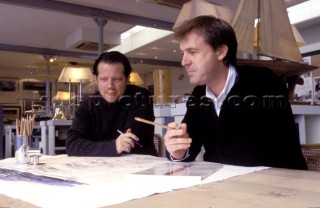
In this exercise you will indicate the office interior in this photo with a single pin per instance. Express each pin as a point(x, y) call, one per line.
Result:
point(39, 39)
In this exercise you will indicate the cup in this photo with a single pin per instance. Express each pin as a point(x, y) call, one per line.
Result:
point(21, 147)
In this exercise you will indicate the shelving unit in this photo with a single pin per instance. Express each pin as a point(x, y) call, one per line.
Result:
point(308, 119)
point(54, 135)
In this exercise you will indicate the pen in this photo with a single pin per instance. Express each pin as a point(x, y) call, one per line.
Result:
point(153, 123)
point(137, 143)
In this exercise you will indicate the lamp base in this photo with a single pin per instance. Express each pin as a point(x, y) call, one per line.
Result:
point(59, 115)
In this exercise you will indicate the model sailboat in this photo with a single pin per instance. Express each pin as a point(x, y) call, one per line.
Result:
point(275, 38)
point(270, 44)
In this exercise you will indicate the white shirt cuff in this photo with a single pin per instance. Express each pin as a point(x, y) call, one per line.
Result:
point(178, 160)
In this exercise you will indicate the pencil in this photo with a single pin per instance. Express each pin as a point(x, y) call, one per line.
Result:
point(153, 123)
point(137, 143)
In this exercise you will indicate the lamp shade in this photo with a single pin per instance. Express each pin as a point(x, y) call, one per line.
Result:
point(135, 79)
point(195, 8)
point(62, 96)
point(75, 75)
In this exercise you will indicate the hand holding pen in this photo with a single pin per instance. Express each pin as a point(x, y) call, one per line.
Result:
point(177, 139)
point(126, 141)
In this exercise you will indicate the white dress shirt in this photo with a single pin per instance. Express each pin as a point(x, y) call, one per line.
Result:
point(232, 74)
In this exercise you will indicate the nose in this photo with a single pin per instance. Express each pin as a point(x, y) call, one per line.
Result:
point(185, 61)
point(110, 83)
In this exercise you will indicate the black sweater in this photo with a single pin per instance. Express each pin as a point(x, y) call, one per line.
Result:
point(94, 128)
point(255, 126)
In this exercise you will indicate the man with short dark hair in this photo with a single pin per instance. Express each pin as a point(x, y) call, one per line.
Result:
point(104, 124)
point(240, 115)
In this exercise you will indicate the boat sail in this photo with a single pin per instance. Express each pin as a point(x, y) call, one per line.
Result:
point(275, 38)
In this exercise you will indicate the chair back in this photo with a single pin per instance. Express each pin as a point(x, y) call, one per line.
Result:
point(158, 143)
point(311, 153)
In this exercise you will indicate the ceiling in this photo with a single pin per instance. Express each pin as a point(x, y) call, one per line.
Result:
point(33, 30)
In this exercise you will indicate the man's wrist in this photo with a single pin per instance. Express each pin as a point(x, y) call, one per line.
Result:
point(186, 155)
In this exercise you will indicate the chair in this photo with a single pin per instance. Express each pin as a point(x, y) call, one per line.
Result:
point(311, 153)
point(158, 143)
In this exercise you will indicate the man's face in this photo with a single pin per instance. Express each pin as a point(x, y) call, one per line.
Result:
point(111, 81)
point(199, 59)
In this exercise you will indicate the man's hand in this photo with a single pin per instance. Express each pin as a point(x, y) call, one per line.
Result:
point(125, 143)
point(177, 141)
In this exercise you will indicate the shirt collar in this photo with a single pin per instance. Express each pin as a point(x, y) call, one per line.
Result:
point(227, 87)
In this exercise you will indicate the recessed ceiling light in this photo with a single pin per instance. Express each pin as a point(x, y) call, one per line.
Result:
point(141, 54)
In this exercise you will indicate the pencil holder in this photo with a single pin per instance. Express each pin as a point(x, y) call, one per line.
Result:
point(21, 146)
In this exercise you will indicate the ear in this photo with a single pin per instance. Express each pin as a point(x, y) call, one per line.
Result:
point(222, 52)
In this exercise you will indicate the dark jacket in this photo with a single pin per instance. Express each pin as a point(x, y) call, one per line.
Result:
point(255, 126)
point(94, 128)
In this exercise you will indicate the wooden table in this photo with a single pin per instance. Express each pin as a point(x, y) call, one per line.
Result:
point(267, 188)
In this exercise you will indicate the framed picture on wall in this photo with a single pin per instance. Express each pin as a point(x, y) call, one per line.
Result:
point(316, 84)
point(303, 92)
point(11, 113)
point(9, 88)
point(35, 86)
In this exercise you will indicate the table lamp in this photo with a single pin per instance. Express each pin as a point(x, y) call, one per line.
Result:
point(75, 75)
point(135, 79)
point(58, 110)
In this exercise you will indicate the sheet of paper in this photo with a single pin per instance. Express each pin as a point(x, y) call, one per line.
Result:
point(95, 181)
point(200, 169)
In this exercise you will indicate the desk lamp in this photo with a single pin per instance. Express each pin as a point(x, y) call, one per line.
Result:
point(75, 75)
point(58, 110)
point(135, 79)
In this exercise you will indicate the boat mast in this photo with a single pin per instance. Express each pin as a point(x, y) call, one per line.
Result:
point(258, 30)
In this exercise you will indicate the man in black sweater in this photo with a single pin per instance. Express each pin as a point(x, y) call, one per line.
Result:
point(103, 124)
point(240, 115)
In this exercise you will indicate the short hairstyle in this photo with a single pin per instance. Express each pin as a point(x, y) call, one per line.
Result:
point(111, 58)
point(216, 32)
